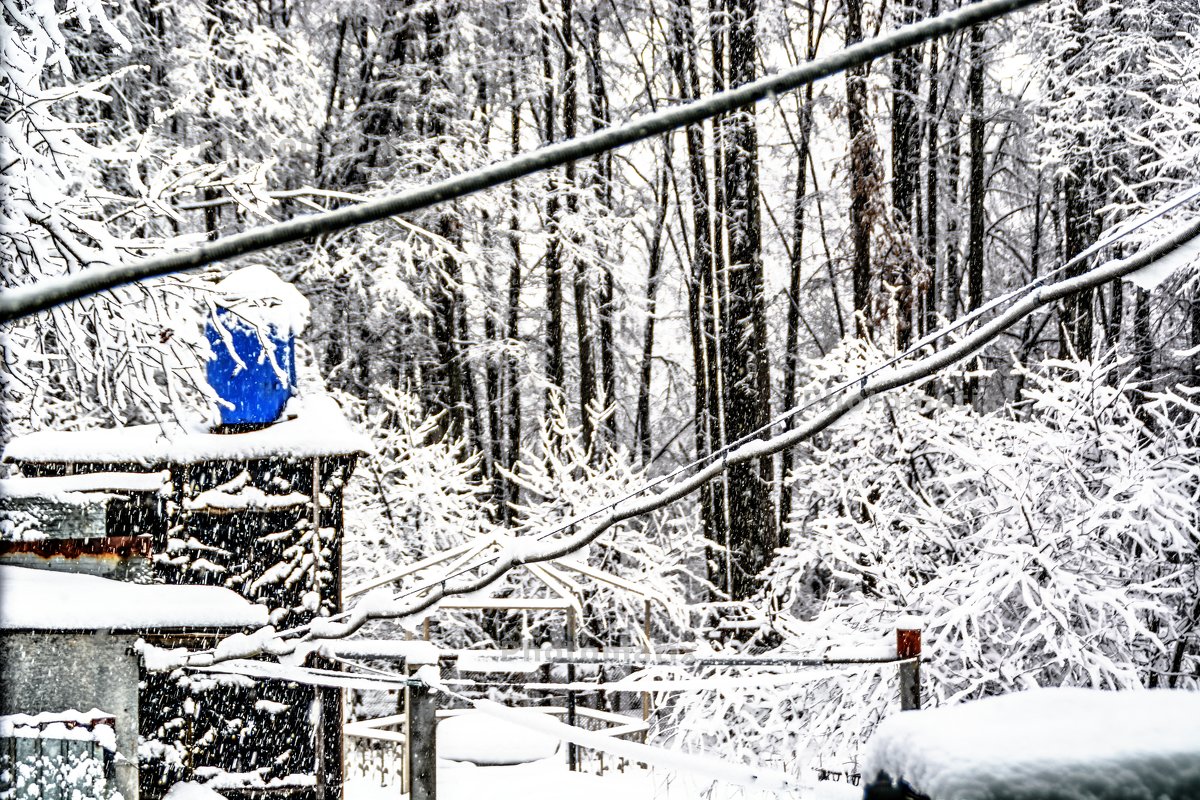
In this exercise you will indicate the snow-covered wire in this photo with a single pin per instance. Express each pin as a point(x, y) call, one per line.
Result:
point(346, 622)
point(49, 293)
point(1115, 235)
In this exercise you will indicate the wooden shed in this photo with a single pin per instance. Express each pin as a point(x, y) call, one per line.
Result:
point(257, 512)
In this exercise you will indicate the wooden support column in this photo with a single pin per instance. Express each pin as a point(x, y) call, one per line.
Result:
point(908, 646)
point(421, 738)
point(646, 647)
point(572, 748)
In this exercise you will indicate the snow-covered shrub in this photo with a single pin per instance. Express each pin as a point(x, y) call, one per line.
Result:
point(414, 495)
point(1051, 544)
point(660, 552)
point(77, 194)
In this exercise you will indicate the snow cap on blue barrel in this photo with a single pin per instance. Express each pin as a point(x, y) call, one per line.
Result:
point(252, 334)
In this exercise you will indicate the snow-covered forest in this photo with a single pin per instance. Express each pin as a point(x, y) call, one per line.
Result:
point(598, 333)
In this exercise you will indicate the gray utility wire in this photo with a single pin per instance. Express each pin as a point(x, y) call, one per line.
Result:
point(52, 292)
point(1117, 234)
point(346, 622)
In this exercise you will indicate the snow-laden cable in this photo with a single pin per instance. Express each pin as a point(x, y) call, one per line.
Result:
point(51, 292)
point(376, 606)
point(1113, 236)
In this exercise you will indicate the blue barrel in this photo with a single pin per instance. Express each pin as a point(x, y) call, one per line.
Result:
point(252, 392)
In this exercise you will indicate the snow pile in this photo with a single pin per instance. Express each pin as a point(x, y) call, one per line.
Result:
point(490, 741)
point(92, 726)
point(261, 297)
point(190, 790)
point(36, 599)
point(1048, 744)
point(312, 425)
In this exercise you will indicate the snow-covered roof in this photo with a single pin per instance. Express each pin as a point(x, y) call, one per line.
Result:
point(311, 426)
point(38, 599)
point(1047, 743)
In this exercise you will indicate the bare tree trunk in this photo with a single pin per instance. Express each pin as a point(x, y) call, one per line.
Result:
point(603, 168)
point(1143, 346)
point(701, 310)
point(447, 287)
point(600, 119)
point(975, 191)
point(553, 259)
point(906, 155)
point(511, 494)
point(334, 80)
point(791, 354)
point(580, 288)
point(861, 175)
point(929, 318)
point(752, 532)
point(646, 373)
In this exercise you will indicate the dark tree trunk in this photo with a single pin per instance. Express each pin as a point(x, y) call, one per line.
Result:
point(330, 103)
point(1143, 346)
point(579, 284)
point(700, 282)
point(791, 353)
point(976, 190)
point(752, 533)
point(553, 259)
point(906, 155)
point(511, 327)
point(447, 285)
point(603, 169)
point(953, 282)
point(646, 372)
point(861, 176)
point(929, 318)
point(1077, 220)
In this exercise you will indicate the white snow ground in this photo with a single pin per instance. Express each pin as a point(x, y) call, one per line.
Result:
point(550, 780)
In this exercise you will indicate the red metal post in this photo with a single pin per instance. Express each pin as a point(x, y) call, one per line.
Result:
point(908, 648)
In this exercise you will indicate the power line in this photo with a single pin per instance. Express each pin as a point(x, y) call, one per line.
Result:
point(52, 292)
point(1118, 233)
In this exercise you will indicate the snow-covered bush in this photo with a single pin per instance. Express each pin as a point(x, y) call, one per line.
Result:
point(660, 552)
point(77, 194)
point(1051, 544)
point(417, 495)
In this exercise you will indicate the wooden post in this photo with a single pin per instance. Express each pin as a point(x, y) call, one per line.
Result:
point(572, 749)
point(646, 647)
point(420, 739)
point(422, 749)
point(908, 646)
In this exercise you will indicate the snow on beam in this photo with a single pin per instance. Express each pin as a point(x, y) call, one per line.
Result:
point(691, 763)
